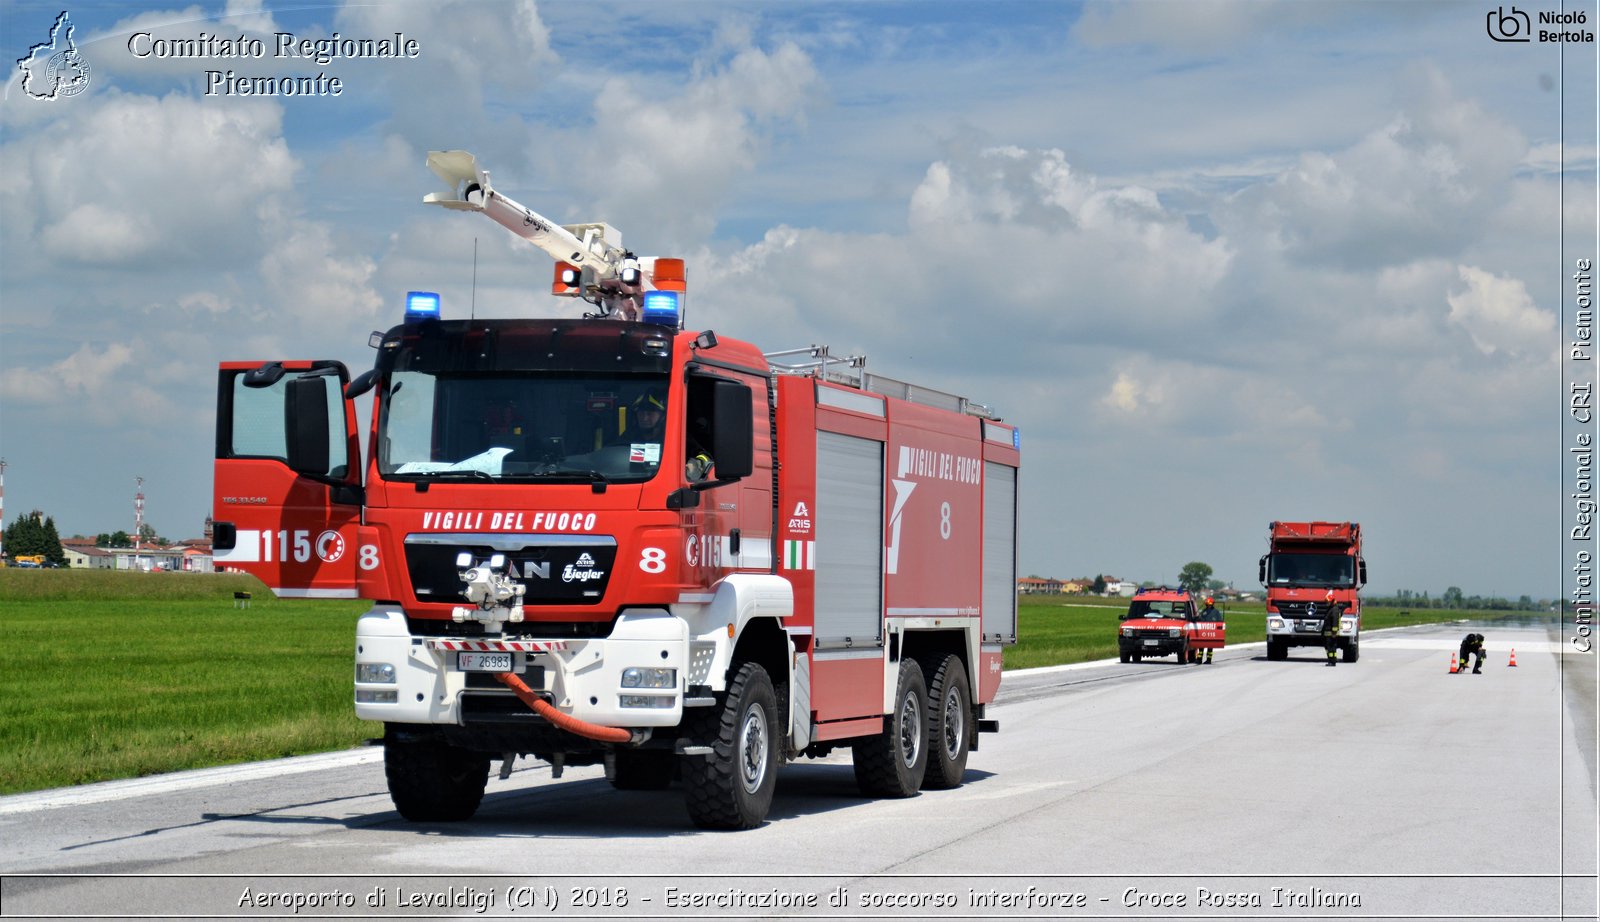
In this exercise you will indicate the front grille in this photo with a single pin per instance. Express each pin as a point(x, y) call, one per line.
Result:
point(1152, 634)
point(556, 569)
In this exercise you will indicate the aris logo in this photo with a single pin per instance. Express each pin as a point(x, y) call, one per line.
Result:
point(54, 69)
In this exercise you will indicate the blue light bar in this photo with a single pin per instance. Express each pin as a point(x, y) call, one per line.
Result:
point(422, 305)
point(661, 307)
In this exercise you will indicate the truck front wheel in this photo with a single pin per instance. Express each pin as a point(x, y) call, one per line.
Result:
point(950, 707)
point(732, 787)
point(1352, 650)
point(433, 782)
point(1276, 649)
point(892, 763)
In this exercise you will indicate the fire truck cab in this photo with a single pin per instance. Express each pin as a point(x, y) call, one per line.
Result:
point(611, 540)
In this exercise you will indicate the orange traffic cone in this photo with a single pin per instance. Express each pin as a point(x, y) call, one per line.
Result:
point(1513, 657)
point(1453, 668)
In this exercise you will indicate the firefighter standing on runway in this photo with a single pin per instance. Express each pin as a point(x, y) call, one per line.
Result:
point(1209, 613)
point(1472, 644)
point(1330, 627)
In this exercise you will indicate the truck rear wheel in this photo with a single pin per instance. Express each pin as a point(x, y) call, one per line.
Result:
point(1352, 650)
point(732, 787)
point(949, 709)
point(1276, 649)
point(892, 763)
point(433, 782)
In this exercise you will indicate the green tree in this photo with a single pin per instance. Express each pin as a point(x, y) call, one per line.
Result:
point(52, 544)
point(1194, 576)
point(33, 533)
point(117, 538)
point(1452, 597)
point(1099, 586)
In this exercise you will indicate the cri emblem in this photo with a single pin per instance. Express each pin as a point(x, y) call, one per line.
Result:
point(330, 546)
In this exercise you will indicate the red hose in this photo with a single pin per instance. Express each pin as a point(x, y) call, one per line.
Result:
point(565, 721)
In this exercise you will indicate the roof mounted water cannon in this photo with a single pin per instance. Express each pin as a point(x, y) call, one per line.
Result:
point(590, 260)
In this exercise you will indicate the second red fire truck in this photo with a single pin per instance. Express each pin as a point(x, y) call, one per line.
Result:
point(612, 540)
point(1313, 571)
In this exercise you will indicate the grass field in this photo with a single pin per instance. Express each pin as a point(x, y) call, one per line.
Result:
point(115, 675)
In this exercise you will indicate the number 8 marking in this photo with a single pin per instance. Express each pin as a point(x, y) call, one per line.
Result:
point(653, 560)
point(944, 521)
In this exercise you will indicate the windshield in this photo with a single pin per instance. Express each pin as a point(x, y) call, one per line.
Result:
point(1311, 570)
point(1141, 608)
point(555, 426)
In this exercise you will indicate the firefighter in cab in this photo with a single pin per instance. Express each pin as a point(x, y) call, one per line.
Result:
point(645, 418)
point(1330, 627)
point(1210, 613)
point(1471, 645)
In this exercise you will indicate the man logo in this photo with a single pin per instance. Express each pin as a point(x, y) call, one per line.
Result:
point(534, 568)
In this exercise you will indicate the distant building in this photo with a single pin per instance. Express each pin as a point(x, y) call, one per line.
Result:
point(83, 555)
point(1033, 585)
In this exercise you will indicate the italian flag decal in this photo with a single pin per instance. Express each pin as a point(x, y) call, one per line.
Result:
point(799, 555)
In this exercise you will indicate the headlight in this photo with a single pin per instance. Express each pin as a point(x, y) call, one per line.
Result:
point(649, 677)
point(647, 701)
point(1274, 624)
point(1174, 632)
point(374, 696)
point(1127, 632)
point(1347, 626)
point(380, 673)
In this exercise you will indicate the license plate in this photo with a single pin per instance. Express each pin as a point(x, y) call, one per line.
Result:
point(1152, 643)
point(483, 662)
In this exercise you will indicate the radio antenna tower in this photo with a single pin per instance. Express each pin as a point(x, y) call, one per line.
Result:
point(2, 507)
point(138, 515)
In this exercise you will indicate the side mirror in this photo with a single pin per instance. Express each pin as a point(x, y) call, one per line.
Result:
point(732, 433)
point(305, 426)
point(361, 384)
point(1263, 571)
point(1361, 571)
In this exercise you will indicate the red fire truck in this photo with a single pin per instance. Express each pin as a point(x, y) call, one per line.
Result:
point(611, 540)
point(1313, 571)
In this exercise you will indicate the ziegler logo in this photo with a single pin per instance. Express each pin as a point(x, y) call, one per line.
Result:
point(582, 571)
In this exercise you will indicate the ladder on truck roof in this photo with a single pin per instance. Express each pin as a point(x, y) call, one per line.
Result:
point(851, 371)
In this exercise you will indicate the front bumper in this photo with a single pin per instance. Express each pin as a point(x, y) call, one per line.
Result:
point(582, 678)
point(1152, 646)
point(1306, 632)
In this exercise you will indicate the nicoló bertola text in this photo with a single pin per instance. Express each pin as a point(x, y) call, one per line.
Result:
point(283, 46)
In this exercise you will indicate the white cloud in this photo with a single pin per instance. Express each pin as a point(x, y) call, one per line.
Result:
point(669, 158)
point(123, 179)
point(1500, 315)
point(1424, 184)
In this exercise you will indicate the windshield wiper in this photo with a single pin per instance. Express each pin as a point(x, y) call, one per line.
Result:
point(596, 479)
point(463, 473)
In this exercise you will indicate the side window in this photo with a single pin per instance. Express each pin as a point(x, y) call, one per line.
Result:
point(259, 420)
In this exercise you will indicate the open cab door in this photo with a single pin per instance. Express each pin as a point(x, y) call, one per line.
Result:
point(287, 480)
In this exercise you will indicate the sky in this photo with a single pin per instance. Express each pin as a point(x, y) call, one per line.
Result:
point(1223, 263)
